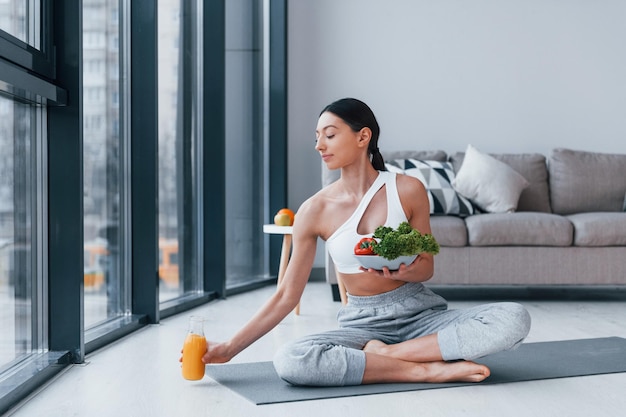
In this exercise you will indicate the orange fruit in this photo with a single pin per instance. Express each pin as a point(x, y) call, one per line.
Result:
point(289, 213)
point(282, 220)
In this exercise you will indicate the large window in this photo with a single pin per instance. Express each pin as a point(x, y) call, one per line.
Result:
point(246, 126)
point(21, 233)
point(101, 96)
point(105, 282)
point(178, 148)
point(23, 226)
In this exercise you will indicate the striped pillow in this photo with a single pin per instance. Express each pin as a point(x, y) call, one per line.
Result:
point(437, 178)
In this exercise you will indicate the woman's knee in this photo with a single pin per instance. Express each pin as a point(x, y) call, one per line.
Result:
point(519, 321)
point(291, 363)
point(307, 362)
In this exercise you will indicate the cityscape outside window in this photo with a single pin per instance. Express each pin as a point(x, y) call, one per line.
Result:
point(18, 235)
point(22, 319)
point(179, 130)
point(21, 18)
point(246, 138)
point(103, 151)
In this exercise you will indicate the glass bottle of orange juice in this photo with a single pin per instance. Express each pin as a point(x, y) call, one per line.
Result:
point(193, 350)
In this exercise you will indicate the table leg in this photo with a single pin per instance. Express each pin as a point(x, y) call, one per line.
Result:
point(284, 260)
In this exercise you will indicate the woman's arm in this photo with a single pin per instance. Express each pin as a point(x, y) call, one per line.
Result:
point(280, 304)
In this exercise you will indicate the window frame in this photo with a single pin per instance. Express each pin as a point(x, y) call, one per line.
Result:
point(28, 73)
point(38, 60)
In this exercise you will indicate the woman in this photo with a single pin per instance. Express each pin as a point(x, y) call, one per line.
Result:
point(393, 329)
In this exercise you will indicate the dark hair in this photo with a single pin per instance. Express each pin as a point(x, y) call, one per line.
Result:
point(358, 115)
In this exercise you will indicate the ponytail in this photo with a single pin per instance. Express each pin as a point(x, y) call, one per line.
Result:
point(377, 159)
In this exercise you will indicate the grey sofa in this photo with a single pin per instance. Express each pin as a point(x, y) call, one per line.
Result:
point(568, 229)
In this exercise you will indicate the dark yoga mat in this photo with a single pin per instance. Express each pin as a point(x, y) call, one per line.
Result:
point(259, 383)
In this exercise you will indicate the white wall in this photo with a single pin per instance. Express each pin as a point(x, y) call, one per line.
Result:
point(506, 76)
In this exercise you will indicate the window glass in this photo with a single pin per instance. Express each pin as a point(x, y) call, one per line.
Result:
point(18, 272)
point(21, 18)
point(105, 284)
point(245, 173)
point(179, 70)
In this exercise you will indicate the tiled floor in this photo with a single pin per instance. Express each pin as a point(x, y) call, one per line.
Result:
point(140, 375)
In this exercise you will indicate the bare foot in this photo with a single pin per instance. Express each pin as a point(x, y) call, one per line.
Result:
point(461, 371)
point(427, 371)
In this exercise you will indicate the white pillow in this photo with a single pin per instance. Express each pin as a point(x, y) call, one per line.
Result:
point(492, 185)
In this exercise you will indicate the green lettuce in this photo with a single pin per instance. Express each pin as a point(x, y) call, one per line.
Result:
point(402, 241)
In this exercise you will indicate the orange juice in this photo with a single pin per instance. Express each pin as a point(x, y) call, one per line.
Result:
point(193, 350)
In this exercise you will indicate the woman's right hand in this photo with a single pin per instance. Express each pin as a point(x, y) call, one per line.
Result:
point(217, 353)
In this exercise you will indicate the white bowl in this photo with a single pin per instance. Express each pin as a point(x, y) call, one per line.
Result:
point(378, 262)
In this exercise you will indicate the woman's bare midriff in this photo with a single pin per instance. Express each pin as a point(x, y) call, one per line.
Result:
point(363, 284)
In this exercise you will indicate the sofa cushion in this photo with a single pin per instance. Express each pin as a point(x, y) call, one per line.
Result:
point(449, 230)
point(586, 181)
point(491, 184)
point(599, 229)
point(522, 229)
point(436, 177)
point(532, 166)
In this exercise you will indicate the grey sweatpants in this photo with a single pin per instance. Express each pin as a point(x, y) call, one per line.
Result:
point(410, 311)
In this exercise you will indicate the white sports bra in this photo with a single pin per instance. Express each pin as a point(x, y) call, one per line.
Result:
point(340, 244)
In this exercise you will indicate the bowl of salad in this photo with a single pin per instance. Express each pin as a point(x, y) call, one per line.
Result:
point(390, 247)
point(378, 262)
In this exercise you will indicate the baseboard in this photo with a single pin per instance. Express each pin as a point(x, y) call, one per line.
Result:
point(538, 292)
point(512, 292)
